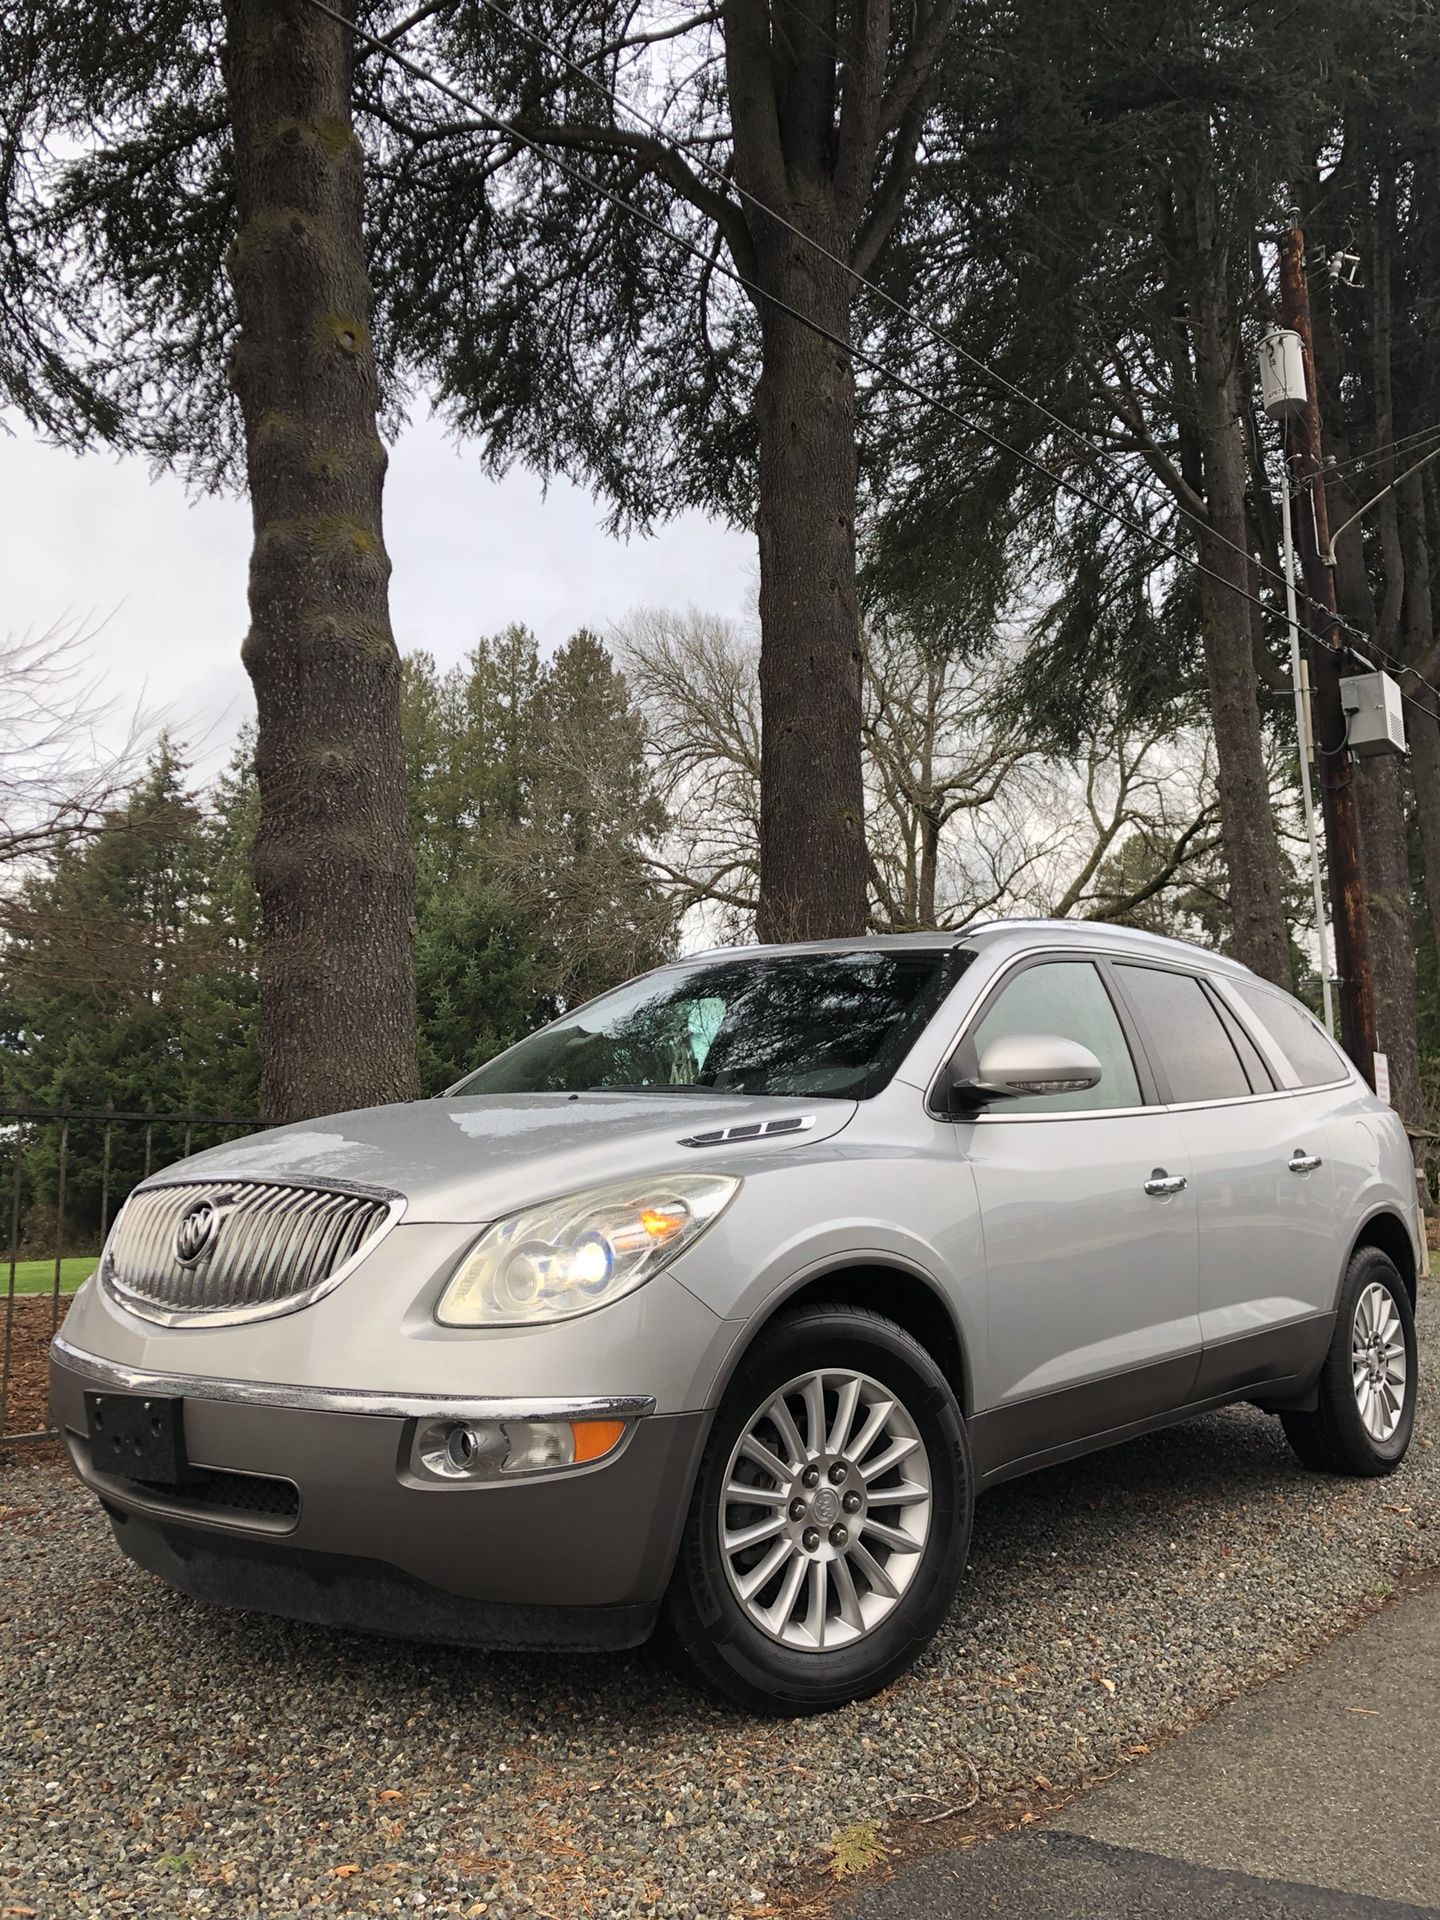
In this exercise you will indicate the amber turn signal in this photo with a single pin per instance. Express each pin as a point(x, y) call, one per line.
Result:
point(595, 1438)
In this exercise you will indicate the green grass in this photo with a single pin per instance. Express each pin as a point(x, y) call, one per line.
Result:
point(38, 1276)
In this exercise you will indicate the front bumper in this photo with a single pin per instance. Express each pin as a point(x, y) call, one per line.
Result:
point(305, 1509)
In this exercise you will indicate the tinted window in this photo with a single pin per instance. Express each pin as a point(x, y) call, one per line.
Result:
point(1184, 1030)
point(1311, 1053)
point(1256, 1072)
point(1068, 998)
point(835, 1024)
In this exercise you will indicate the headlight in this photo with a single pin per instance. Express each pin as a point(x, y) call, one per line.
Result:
point(573, 1255)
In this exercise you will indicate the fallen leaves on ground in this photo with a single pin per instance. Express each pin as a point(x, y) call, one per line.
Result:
point(27, 1407)
point(855, 1849)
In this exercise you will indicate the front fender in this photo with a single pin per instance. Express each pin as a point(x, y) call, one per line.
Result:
point(915, 1215)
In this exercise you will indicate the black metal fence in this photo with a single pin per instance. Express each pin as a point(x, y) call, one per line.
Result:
point(64, 1174)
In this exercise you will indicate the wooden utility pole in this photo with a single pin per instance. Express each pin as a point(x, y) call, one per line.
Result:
point(1348, 903)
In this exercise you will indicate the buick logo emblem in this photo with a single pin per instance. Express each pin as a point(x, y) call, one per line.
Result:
point(826, 1506)
point(197, 1233)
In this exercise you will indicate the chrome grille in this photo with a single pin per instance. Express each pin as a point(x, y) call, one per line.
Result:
point(267, 1247)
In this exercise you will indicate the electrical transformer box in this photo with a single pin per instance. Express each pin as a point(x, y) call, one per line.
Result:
point(1282, 373)
point(1374, 714)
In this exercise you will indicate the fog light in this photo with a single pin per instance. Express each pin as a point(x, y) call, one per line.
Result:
point(459, 1449)
point(464, 1446)
point(494, 1449)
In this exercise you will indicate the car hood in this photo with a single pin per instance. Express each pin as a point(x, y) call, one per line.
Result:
point(473, 1160)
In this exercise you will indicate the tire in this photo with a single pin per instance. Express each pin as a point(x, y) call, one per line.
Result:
point(1337, 1437)
point(830, 1520)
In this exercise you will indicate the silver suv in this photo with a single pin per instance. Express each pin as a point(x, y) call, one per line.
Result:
point(717, 1302)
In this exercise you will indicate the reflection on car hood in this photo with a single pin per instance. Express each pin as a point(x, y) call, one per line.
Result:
point(476, 1159)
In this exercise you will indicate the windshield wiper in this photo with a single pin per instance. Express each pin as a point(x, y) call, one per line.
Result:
point(656, 1086)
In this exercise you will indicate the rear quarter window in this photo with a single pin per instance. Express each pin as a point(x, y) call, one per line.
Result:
point(1316, 1060)
point(1195, 1050)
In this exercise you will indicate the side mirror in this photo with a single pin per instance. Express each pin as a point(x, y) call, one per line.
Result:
point(1027, 1063)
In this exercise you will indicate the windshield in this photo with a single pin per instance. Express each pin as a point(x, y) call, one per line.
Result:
point(835, 1025)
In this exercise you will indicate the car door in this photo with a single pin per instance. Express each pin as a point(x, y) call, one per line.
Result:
point(1327, 1102)
point(1089, 1227)
point(1263, 1187)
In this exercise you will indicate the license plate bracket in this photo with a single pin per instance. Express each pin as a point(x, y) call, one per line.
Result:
point(137, 1436)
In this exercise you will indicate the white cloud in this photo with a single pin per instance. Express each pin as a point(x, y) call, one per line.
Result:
point(100, 538)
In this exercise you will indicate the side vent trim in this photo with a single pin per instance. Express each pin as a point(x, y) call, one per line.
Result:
point(751, 1130)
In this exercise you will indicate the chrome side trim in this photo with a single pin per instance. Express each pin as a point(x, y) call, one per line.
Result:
point(386, 1406)
point(1234, 1100)
point(988, 1119)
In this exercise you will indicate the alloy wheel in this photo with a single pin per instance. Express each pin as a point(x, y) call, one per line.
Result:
point(826, 1510)
point(1377, 1361)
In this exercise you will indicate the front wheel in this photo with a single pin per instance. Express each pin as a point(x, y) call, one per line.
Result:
point(830, 1520)
point(1366, 1393)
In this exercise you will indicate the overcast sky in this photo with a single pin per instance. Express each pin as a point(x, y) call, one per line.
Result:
point(99, 538)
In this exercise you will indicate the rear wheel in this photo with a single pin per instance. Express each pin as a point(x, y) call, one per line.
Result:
point(830, 1520)
point(1366, 1392)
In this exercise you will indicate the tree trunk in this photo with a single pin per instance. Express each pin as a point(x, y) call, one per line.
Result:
point(1421, 723)
point(1379, 783)
point(1423, 728)
point(1381, 800)
point(812, 800)
point(333, 865)
point(1247, 821)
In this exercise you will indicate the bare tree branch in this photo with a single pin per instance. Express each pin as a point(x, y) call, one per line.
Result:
point(59, 769)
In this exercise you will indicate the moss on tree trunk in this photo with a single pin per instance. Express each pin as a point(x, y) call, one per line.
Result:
point(333, 864)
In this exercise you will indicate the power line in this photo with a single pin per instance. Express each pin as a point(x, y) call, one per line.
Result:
point(703, 163)
point(860, 355)
point(1375, 455)
point(1365, 647)
point(1369, 646)
point(1363, 643)
point(1389, 487)
point(1103, 456)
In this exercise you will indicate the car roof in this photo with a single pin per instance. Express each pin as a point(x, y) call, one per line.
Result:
point(1015, 935)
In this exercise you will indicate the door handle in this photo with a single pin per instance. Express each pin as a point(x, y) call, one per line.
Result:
point(1160, 1184)
point(1304, 1162)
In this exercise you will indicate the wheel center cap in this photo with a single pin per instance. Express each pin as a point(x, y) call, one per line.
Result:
point(826, 1506)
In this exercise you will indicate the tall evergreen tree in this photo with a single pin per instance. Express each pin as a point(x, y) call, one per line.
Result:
point(532, 807)
point(1371, 191)
point(206, 215)
point(1103, 264)
point(127, 974)
point(576, 862)
point(565, 330)
point(558, 327)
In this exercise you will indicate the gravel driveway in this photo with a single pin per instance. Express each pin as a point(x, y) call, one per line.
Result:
point(163, 1760)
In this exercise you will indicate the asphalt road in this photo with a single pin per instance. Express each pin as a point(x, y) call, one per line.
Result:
point(1314, 1797)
